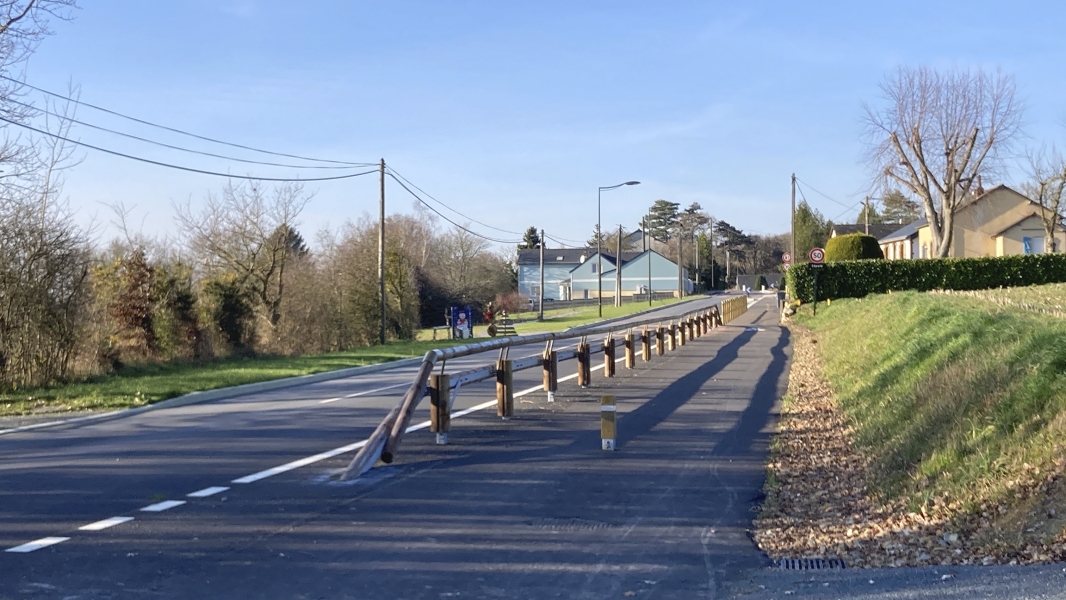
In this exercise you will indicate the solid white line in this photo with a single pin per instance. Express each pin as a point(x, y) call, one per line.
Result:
point(63, 422)
point(100, 525)
point(481, 406)
point(211, 491)
point(37, 544)
point(296, 464)
point(161, 506)
point(329, 400)
point(366, 393)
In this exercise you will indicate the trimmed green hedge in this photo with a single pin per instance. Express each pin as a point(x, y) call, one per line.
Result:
point(853, 246)
point(857, 278)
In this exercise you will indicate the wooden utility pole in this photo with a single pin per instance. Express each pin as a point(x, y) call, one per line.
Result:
point(618, 271)
point(794, 255)
point(540, 302)
point(680, 275)
point(381, 253)
point(867, 213)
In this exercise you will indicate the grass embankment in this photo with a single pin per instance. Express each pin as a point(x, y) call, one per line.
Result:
point(139, 385)
point(959, 405)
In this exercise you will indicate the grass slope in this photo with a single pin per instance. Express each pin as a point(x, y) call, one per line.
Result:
point(959, 402)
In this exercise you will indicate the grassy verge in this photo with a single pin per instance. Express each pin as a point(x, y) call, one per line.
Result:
point(137, 386)
point(960, 403)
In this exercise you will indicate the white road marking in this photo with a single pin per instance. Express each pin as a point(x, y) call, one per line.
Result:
point(37, 544)
point(296, 464)
point(161, 506)
point(366, 393)
point(101, 525)
point(211, 491)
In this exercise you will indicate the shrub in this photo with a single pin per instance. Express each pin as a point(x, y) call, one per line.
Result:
point(853, 246)
point(857, 278)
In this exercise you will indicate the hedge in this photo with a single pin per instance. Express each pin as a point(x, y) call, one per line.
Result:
point(853, 246)
point(857, 278)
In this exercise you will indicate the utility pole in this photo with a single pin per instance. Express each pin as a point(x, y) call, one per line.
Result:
point(710, 250)
point(697, 278)
point(727, 268)
point(540, 302)
point(794, 256)
point(618, 271)
point(381, 253)
point(680, 275)
point(867, 213)
point(647, 255)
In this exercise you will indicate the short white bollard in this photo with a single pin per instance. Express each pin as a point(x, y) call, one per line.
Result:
point(607, 424)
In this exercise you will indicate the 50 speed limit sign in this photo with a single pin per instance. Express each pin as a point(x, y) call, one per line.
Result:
point(786, 257)
point(817, 255)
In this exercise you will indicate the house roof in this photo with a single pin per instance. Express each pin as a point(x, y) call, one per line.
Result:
point(877, 230)
point(903, 233)
point(609, 257)
point(555, 256)
point(1007, 228)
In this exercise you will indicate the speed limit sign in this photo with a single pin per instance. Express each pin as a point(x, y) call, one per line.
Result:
point(786, 257)
point(817, 255)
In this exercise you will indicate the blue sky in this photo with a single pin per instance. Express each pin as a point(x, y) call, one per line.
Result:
point(514, 113)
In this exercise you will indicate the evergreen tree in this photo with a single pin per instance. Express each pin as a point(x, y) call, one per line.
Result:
point(662, 219)
point(900, 209)
point(812, 231)
point(530, 240)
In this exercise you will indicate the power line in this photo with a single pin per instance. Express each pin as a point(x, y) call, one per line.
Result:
point(441, 215)
point(175, 130)
point(173, 166)
point(397, 174)
point(565, 241)
point(182, 149)
point(820, 193)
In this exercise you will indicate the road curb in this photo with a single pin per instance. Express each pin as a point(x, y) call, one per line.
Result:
point(227, 392)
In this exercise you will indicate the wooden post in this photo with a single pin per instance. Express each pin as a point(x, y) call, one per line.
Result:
point(681, 338)
point(705, 322)
point(440, 419)
point(645, 344)
point(551, 374)
point(608, 357)
point(584, 369)
point(631, 351)
point(504, 389)
point(608, 408)
point(660, 340)
point(673, 336)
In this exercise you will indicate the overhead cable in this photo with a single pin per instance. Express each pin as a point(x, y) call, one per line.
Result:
point(189, 150)
point(175, 130)
point(178, 167)
point(441, 215)
point(397, 174)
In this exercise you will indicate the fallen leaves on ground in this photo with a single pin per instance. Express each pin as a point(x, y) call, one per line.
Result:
point(819, 505)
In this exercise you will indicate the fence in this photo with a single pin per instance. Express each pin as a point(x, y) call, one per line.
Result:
point(440, 388)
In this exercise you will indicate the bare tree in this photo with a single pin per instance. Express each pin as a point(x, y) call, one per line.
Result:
point(248, 232)
point(1047, 172)
point(936, 133)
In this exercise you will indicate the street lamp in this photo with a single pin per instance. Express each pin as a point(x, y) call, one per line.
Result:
point(599, 235)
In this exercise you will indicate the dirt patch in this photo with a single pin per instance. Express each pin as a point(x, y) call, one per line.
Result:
point(820, 501)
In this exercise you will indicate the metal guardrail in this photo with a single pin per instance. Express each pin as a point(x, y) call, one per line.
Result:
point(387, 436)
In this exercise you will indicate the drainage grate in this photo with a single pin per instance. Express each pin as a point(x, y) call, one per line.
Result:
point(809, 564)
point(572, 524)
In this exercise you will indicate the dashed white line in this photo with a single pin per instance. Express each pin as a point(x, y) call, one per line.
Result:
point(101, 525)
point(296, 464)
point(366, 393)
point(210, 491)
point(37, 544)
point(161, 506)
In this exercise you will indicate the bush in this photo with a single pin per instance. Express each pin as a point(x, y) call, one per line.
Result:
point(857, 278)
point(853, 246)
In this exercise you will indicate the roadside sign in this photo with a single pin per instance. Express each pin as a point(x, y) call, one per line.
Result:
point(787, 265)
point(817, 255)
point(786, 257)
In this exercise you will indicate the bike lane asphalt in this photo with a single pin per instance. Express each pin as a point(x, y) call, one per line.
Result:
point(529, 507)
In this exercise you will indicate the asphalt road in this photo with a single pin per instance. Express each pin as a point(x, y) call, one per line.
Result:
point(525, 508)
point(56, 480)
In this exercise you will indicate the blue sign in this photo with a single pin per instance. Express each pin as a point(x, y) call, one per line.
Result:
point(462, 322)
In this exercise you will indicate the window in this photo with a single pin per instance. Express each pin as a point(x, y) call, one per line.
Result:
point(594, 265)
